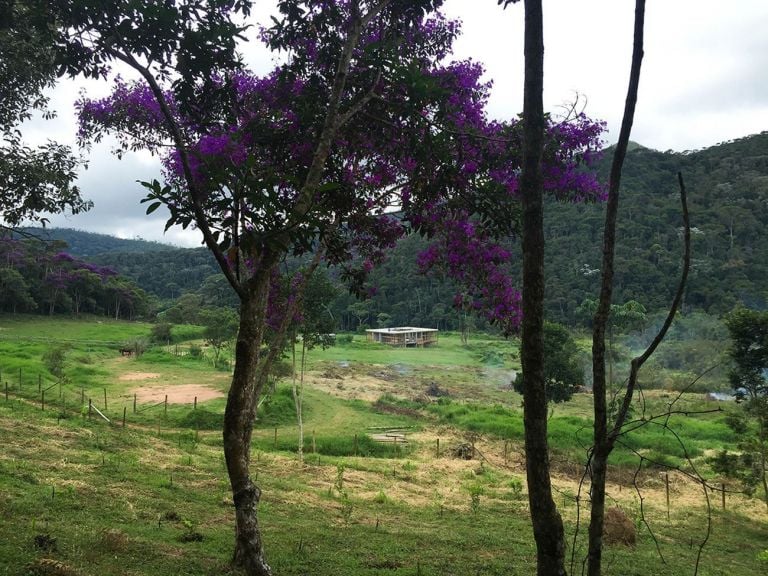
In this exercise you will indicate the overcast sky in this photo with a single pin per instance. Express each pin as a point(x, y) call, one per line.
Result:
point(704, 81)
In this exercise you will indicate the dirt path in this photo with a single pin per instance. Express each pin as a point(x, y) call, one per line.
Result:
point(177, 394)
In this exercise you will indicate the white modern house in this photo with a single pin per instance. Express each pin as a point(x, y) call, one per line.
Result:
point(403, 336)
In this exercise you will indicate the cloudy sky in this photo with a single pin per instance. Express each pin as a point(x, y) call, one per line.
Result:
point(704, 81)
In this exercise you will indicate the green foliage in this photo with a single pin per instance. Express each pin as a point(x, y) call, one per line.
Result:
point(278, 409)
point(201, 419)
point(563, 372)
point(55, 358)
point(475, 492)
point(161, 333)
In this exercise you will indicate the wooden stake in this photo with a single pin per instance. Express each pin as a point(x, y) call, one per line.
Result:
point(723, 494)
point(134, 403)
point(437, 450)
point(124, 411)
point(90, 408)
point(165, 407)
point(195, 405)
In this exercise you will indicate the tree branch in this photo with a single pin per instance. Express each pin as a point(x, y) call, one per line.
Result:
point(638, 361)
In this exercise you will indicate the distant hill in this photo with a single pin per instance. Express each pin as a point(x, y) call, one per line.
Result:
point(727, 189)
point(728, 200)
point(85, 244)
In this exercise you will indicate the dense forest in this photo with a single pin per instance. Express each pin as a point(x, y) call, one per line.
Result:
point(728, 196)
point(41, 277)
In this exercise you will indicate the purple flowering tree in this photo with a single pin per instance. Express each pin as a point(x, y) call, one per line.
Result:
point(308, 160)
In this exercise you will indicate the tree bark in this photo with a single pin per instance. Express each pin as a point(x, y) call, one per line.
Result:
point(547, 524)
point(238, 428)
point(602, 445)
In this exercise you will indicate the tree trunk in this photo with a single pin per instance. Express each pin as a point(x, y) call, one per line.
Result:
point(603, 444)
point(547, 523)
point(238, 428)
point(761, 422)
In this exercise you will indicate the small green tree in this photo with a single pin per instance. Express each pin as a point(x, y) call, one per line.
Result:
point(161, 333)
point(55, 359)
point(748, 376)
point(220, 329)
point(562, 368)
point(316, 328)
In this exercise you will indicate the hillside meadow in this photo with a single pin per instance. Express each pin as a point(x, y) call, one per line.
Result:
point(147, 493)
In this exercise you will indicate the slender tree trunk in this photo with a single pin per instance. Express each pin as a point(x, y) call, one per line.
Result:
point(547, 523)
point(763, 478)
point(298, 398)
point(238, 428)
point(603, 444)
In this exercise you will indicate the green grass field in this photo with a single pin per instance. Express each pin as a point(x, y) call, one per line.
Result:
point(79, 496)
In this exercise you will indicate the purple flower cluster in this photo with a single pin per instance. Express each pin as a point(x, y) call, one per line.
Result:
point(467, 255)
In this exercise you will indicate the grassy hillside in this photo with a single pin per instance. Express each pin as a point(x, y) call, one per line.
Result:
point(80, 496)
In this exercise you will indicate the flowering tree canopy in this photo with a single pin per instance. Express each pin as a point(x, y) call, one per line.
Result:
point(411, 134)
point(366, 117)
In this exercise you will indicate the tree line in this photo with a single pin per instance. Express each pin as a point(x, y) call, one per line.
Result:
point(41, 277)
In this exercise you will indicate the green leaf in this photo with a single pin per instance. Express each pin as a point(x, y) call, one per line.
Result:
point(154, 206)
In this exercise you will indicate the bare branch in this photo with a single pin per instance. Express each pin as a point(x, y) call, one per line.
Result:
point(642, 509)
point(176, 134)
point(638, 361)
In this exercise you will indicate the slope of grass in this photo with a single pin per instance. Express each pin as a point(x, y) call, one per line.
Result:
point(129, 502)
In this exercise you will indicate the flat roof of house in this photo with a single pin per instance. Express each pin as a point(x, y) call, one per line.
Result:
point(400, 329)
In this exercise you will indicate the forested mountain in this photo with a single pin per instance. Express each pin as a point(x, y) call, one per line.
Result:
point(728, 200)
point(85, 244)
point(166, 273)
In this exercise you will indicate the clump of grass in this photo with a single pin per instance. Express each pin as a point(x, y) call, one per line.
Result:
point(113, 540)
point(278, 408)
point(201, 419)
point(49, 567)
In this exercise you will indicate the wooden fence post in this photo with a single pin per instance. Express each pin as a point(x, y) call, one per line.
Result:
point(722, 485)
point(437, 450)
point(134, 403)
point(124, 411)
point(165, 407)
point(90, 408)
point(194, 407)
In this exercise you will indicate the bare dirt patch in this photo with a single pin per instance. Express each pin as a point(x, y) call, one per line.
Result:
point(138, 376)
point(177, 394)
